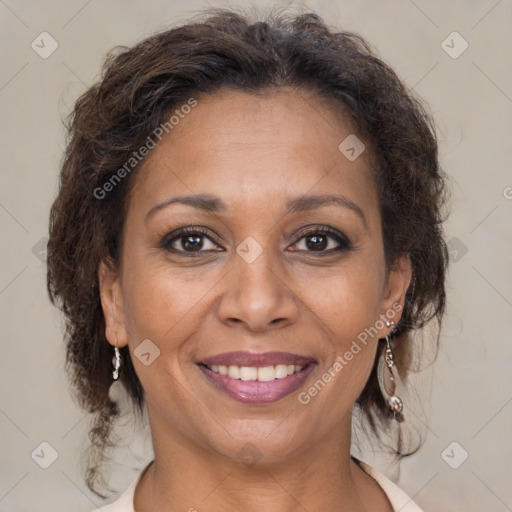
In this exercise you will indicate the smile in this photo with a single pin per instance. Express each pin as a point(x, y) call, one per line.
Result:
point(261, 374)
point(259, 383)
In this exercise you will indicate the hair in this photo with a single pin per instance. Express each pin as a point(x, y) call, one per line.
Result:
point(226, 50)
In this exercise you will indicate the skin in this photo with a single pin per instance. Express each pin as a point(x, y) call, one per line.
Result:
point(254, 153)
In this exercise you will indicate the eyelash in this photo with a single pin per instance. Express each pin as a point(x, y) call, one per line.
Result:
point(343, 242)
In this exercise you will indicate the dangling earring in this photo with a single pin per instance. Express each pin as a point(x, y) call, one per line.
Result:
point(394, 402)
point(116, 362)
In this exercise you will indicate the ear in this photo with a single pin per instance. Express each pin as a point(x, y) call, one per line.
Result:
point(393, 300)
point(112, 303)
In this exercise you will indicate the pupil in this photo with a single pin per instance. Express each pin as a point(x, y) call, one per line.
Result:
point(319, 242)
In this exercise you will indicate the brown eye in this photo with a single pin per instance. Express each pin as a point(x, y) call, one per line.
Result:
point(189, 240)
point(322, 240)
point(317, 242)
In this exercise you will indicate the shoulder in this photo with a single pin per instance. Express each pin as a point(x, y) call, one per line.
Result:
point(398, 498)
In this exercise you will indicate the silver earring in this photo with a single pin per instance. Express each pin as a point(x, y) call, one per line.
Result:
point(116, 362)
point(394, 402)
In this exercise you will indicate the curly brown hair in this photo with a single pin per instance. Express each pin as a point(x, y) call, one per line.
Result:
point(138, 89)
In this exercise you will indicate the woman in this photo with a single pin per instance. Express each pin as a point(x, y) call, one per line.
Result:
point(247, 233)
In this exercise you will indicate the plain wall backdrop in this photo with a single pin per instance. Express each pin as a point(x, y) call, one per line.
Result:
point(466, 410)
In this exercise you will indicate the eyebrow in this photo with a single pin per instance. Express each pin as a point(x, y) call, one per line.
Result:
point(212, 204)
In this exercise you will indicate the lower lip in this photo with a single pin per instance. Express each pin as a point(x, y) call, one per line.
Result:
point(256, 392)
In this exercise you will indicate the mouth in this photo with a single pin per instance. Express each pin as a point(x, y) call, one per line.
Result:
point(257, 378)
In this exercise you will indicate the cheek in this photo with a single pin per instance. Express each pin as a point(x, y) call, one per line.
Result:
point(348, 306)
point(159, 301)
point(164, 309)
point(161, 308)
point(347, 301)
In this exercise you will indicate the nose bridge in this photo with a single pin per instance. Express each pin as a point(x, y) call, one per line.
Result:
point(256, 293)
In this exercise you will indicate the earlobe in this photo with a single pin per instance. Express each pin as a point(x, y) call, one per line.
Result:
point(112, 304)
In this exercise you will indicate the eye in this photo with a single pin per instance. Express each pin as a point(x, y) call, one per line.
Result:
point(322, 239)
point(189, 240)
point(196, 240)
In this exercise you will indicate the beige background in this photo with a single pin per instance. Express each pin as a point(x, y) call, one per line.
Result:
point(466, 395)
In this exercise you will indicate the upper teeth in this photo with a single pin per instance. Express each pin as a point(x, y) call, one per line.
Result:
point(260, 373)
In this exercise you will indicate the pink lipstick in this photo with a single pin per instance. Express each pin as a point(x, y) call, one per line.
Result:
point(257, 378)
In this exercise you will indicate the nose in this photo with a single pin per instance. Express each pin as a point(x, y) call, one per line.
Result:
point(257, 295)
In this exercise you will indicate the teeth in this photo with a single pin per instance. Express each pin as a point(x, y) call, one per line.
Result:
point(260, 373)
point(248, 373)
point(234, 372)
point(266, 373)
point(281, 371)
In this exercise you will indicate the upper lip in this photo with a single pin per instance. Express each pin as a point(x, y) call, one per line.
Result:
point(242, 358)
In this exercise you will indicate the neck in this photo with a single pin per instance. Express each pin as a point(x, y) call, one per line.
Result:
point(189, 476)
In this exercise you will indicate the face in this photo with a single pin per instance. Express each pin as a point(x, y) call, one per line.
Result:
point(277, 277)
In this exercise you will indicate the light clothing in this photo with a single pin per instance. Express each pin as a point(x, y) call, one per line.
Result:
point(398, 499)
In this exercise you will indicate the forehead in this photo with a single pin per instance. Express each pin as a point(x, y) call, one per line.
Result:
point(246, 146)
